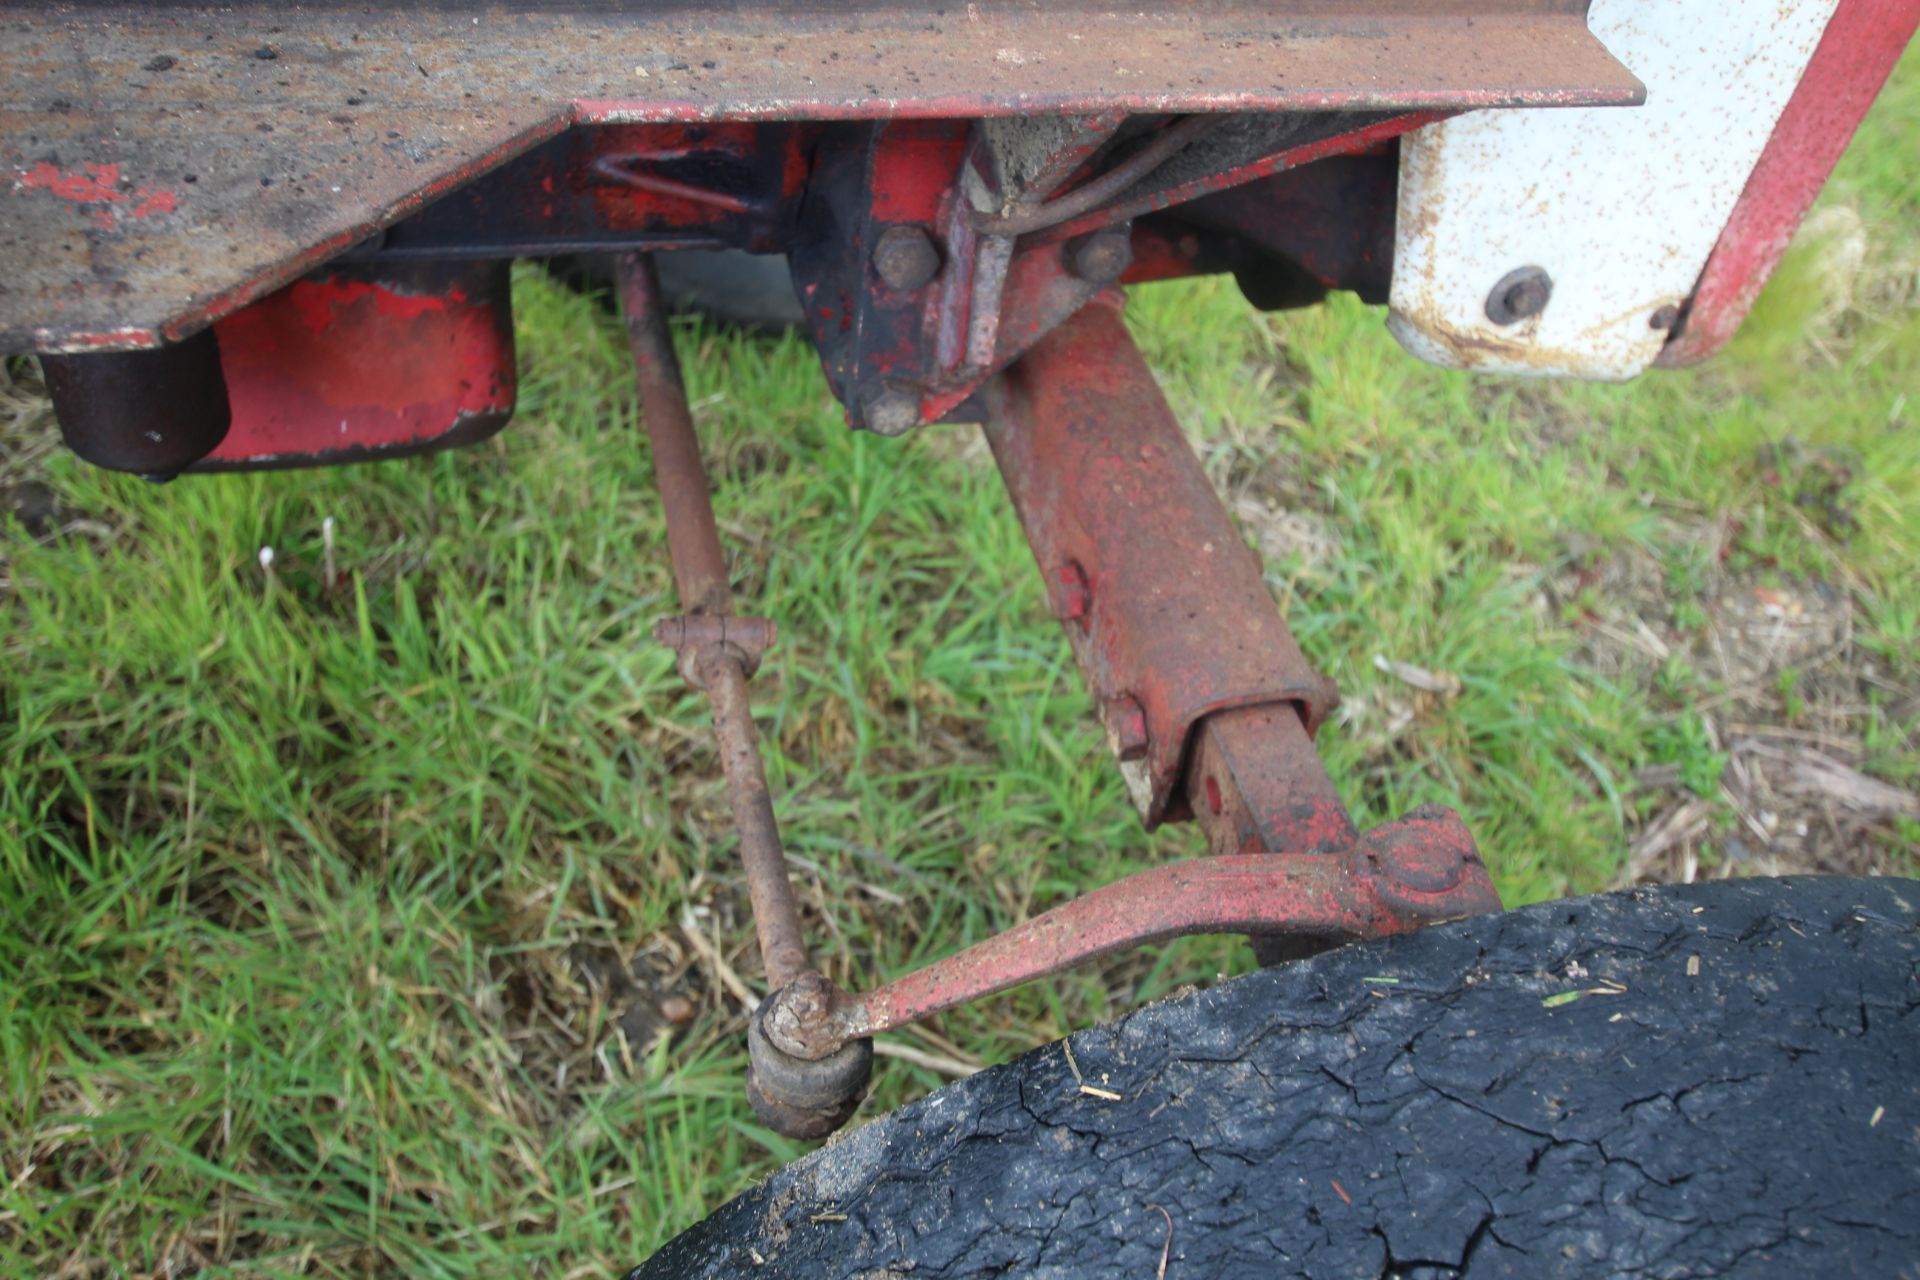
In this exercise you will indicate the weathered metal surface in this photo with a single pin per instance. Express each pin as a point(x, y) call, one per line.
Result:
point(1291, 237)
point(1256, 785)
point(1031, 156)
point(1619, 208)
point(877, 340)
point(1165, 605)
point(899, 352)
point(1856, 54)
point(617, 188)
point(1243, 149)
point(362, 362)
point(714, 663)
point(253, 199)
point(1206, 699)
point(1400, 877)
point(1203, 691)
point(802, 1097)
point(149, 412)
point(1151, 152)
point(171, 162)
point(692, 635)
point(1006, 292)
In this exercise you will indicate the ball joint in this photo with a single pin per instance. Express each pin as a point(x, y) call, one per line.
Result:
point(801, 1099)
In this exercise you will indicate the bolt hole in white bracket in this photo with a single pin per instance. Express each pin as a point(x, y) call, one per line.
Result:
point(1617, 206)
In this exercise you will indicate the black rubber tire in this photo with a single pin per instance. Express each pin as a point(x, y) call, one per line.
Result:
point(1432, 1105)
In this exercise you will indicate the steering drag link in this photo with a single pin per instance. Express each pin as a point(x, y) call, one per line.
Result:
point(718, 650)
point(1209, 705)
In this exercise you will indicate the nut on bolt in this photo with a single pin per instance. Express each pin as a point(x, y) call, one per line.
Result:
point(906, 258)
point(1101, 257)
point(1520, 295)
point(798, 1015)
point(890, 409)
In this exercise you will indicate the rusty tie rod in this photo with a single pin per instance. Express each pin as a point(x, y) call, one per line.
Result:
point(718, 650)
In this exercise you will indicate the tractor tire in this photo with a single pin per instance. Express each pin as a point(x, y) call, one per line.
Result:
point(1710, 1080)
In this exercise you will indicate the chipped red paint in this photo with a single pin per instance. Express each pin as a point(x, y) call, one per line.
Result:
point(99, 188)
point(900, 174)
point(152, 201)
point(98, 183)
point(326, 301)
point(913, 179)
point(1856, 54)
point(631, 188)
point(133, 339)
point(278, 199)
point(335, 368)
point(1207, 700)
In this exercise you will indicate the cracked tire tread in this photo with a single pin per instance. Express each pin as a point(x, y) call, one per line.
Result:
point(1415, 1108)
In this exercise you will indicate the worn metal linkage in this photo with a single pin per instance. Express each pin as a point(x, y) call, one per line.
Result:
point(1209, 705)
point(718, 651)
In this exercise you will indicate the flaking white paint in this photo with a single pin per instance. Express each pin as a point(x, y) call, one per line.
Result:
point(1620, 205)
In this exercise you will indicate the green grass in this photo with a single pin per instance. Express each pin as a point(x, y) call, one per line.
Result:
point(289, 880)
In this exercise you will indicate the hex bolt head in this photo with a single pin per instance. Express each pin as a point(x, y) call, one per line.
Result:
point(1521, 294)
point(890, 409)
point(906, 258)
point(808, 998)
point(1101, 257)
point(1127, 728)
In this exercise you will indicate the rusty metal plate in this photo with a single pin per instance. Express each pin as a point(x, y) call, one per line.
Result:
point(167, 162)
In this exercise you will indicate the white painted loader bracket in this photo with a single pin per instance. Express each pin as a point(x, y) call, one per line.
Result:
point(1563, 242)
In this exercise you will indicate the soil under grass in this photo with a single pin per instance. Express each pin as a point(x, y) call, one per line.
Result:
point(394, 926)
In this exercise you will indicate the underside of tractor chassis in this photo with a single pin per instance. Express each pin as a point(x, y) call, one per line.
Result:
point(283, 240)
